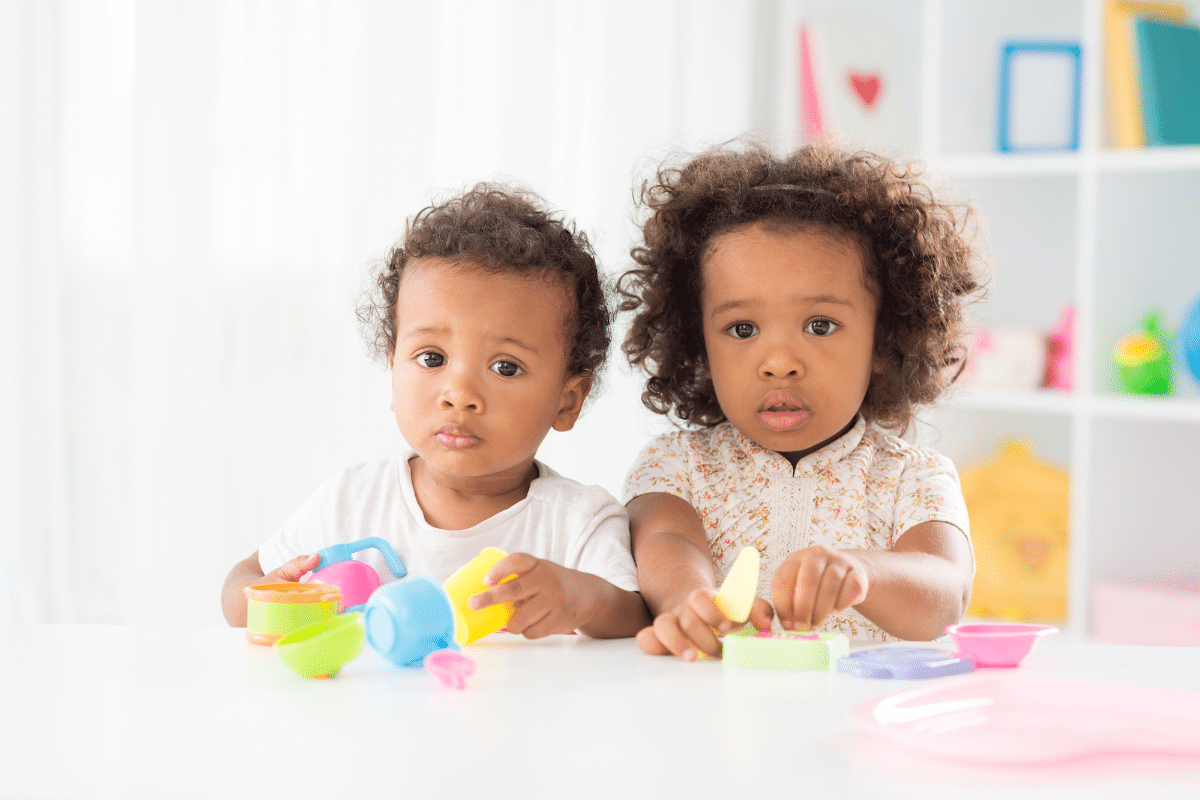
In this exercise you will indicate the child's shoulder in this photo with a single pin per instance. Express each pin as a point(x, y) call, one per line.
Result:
point(372, 474)
point(887, 449)
point(552, 488)
point(704, 444)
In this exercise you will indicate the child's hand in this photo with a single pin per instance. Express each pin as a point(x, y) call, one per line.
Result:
point(549, 598)
point(294, 570)
point(814, 582)
point(692, 627)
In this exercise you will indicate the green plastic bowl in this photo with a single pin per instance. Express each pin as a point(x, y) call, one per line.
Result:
point(320, 650)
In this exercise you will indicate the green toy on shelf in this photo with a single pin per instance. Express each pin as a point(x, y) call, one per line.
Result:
point(1142, 361)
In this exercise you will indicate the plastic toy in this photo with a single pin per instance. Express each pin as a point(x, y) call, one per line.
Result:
point(1060, 351)
point(783, 649)
point(736, 595)
point(1019, 525)
point(450, 667)
point(997, 644)
point(904, 663)
point(469, 624)
point(273, 610)
point(1006, 357)
point(1033, 721)
point(320, 650)
point(1189, 339)
point(1142, 361)
point(356, 579)
point(407, 620)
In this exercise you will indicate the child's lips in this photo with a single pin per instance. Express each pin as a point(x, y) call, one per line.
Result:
point(457, 437)
point(782, 411)
point(783, 420)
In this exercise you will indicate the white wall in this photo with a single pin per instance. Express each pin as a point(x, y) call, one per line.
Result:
point(192, 192)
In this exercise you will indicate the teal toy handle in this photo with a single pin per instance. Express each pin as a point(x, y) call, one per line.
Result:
point(336, 553)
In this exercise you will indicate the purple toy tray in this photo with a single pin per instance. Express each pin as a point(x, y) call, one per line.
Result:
point(904, 663)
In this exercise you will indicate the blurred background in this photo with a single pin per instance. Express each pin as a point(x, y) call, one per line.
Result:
point(191, 194)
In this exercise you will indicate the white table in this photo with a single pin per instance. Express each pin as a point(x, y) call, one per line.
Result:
point(109, 711)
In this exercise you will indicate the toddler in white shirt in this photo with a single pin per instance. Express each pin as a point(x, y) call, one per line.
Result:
point(492, 318)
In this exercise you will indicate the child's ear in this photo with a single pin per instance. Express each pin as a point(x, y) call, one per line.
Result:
point(574, 392)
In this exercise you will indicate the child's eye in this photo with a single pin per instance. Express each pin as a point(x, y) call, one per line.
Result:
point(506, 368)
point(431, 360)
point(742, 330)
point(821, 327)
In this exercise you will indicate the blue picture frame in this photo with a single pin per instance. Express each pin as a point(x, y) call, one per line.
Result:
point(1072, 53)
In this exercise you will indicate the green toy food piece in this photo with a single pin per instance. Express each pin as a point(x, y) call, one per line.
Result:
point(784, 649)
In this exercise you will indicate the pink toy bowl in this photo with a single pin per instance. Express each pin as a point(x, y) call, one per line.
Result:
point(997, 644)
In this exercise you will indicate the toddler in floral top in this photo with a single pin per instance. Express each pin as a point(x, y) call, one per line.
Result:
point(794, 313)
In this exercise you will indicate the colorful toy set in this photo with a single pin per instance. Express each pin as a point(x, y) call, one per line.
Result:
point(414, 622)
point(979, 644)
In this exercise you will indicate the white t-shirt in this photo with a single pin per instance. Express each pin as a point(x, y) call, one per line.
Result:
point(580, 527)
point(861, 491)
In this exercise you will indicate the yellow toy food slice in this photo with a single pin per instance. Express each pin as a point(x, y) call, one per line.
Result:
point(737, 591)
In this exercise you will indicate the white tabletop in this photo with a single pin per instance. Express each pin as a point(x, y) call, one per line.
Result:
point(110, 711)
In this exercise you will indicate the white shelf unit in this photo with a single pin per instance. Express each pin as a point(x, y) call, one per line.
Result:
point(1113, 231)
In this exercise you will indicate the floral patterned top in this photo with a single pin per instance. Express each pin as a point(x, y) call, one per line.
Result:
point(862, 491)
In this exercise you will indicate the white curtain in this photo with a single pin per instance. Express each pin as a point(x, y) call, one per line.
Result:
point(190, 195)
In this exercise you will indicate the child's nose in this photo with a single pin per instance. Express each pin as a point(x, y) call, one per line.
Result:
point(781, 362)
point(458, 393)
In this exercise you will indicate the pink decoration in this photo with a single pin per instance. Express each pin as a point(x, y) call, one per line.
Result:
point(814, 125)
point(866, 87)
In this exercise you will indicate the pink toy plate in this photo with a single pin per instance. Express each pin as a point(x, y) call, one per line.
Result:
point(1020, 720)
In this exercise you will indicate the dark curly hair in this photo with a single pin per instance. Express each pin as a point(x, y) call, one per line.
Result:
point(920, 257)
point(501, 229)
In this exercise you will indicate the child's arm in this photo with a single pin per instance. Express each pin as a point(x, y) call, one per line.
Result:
point(247, 572)
point(675, 574)
point(552, 598)
point(912, 591)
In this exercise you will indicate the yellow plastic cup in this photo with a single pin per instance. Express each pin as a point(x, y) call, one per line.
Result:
point(470, 625)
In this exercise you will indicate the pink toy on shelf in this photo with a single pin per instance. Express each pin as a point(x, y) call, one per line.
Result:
point(1060, 356)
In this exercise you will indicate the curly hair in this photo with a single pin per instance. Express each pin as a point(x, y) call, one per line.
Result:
point(920, 257)
point(500, 229)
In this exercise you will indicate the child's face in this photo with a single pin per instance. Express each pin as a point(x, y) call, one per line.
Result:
point(789, 327)
point(479, 374)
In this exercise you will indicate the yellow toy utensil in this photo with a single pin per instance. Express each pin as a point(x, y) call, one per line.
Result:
point(737, 591)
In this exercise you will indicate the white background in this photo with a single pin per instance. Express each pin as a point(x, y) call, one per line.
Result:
point(191, 195)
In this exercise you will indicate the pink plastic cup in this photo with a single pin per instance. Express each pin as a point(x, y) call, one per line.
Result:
point(997, 644)
point(356, 580)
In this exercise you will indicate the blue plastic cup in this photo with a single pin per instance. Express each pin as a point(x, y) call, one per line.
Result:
point(408, 619)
